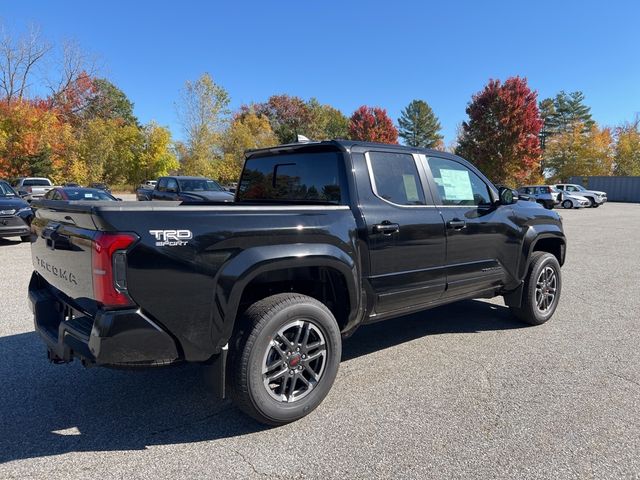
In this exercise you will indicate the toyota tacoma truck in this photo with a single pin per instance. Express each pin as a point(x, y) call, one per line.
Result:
point(323, 237)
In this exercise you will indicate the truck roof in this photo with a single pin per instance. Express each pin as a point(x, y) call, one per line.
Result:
point(344, 145)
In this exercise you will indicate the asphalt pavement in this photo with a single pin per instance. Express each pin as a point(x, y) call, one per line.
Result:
point(463, 391)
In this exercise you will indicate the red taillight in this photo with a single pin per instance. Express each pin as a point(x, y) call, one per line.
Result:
point(109, 281)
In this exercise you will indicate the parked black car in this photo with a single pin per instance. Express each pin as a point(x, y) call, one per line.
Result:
point(323, 238)
point(185, 189)
point(84, 194)
point(15, 214)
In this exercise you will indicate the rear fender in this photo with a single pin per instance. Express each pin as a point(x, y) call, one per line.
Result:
point(239, 271)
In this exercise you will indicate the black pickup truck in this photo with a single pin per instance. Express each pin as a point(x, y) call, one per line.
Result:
point(322, 237)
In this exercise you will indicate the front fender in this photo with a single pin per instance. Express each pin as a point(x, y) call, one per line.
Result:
point(533, 235)
point(238, 272)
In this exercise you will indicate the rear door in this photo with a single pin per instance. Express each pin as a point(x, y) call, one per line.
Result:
point(405, 232)
point(481, 239)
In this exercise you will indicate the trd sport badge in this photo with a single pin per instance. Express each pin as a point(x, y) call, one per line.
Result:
point(171, 238)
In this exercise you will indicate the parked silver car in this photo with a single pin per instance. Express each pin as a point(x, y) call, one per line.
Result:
point(595, 197)
point(543, 194)
point(571, 200)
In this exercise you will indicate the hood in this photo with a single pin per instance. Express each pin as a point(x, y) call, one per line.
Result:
point(597, 192)
point(210, 196)
point(12, 203)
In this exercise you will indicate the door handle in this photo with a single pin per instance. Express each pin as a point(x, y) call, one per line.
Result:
point(456, 224)
point(386, 228)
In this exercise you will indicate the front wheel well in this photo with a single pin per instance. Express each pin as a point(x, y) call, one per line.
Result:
point(325, 284)
point(554, 246)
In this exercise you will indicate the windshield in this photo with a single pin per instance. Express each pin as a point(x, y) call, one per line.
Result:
point(36, 182)
point(581, 188)
point(86, 194)
point(6, 190)
point(199, 185)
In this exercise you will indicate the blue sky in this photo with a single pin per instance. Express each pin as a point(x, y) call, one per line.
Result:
point(351, 53)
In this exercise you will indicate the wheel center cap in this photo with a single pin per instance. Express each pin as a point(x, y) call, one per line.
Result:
point(294, 360)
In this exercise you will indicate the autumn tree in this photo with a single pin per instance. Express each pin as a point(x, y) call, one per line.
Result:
point(246, 132)
point(627, 149)
point(372, 124)
point(419, 126)
point(326, 122)
point(203, 112)
point(288, 116)
point(34, 141)
point(156, 157)
point(501, 135)
point(107, 101)
point(110, 149)
point(580, 152)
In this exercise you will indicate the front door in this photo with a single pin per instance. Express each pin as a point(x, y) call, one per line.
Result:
point(481, 239)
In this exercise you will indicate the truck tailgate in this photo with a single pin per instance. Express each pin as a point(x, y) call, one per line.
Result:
point(62, 249)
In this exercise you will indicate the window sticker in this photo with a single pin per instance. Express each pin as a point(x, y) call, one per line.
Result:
point(411, 188)
point(457, 184)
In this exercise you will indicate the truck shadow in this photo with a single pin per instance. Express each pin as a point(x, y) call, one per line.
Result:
point(55, 409)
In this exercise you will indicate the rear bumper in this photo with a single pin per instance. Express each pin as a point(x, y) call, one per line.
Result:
point(117, 338)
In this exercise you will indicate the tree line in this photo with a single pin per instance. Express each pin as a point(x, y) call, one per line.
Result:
point(81, 127)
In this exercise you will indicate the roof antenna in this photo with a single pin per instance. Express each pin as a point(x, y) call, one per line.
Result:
point(302, 139)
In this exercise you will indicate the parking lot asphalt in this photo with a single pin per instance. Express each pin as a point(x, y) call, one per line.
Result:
point(462, 391)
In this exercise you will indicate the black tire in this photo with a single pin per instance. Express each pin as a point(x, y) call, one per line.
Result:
point(529, 310)
point(595, 205)
point(260, 326)
point(592, 202)
point(26, 238)
point(567, 204)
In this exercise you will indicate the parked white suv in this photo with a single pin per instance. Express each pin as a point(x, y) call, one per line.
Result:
point(595, 197)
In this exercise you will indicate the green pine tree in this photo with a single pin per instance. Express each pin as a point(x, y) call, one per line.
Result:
point(419, 127)
point(565, 111)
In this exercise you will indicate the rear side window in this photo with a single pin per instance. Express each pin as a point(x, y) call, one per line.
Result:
point(312, 177)
point(395, 178)
point(545, 190)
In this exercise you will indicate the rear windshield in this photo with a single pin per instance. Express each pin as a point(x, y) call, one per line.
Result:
point(300, 177)
point(36, 182)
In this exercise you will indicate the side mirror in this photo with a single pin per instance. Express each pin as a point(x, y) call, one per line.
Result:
point(507, 196)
